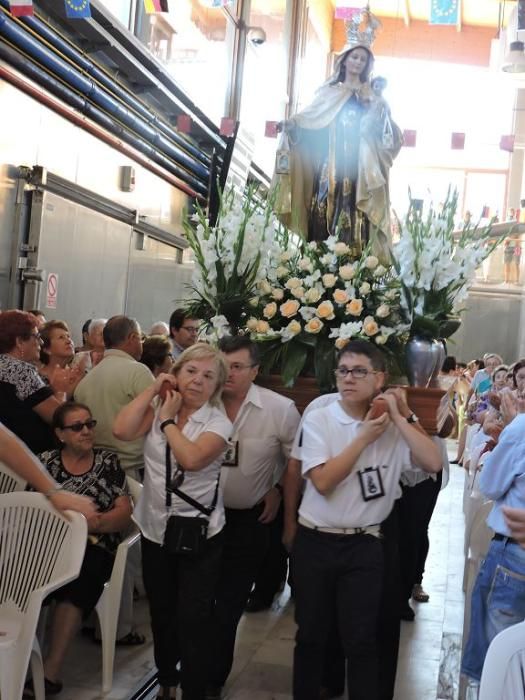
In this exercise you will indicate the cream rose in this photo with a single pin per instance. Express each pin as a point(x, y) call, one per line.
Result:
point(251, 324)
point(281, 271)
point(383, 311)
point(371, 262)
point(315, 325)
point(262, 327)
point(305, 264)
point(265, 287)
point(325, 310)
point(277, 294)
point(379, 271)
point(270, 310)
point(370, 326)
point(287, 255)
point(292, 283)
point(381, 339)
point(346, 272)
point(340, 296)
point(253, 301)
point(355, 307)
point(364, 289)
point(341, 342)
point(329, 280)
point(341, 248)
point(289, 308)
point(298, 292)
point(312, 295)
point(293, 328)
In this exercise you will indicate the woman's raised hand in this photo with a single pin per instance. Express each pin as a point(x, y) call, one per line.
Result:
point(171, 383)
point(170, 406)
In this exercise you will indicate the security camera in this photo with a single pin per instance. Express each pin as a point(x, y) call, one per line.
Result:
point(256, 35)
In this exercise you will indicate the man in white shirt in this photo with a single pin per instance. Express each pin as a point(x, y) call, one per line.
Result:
point(352, 463)
point(264, 427)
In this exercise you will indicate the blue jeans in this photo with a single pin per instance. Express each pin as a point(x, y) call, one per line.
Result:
point(498, 601)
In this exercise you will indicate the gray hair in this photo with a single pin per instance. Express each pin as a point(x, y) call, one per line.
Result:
point(95, 323)
point(118, 329)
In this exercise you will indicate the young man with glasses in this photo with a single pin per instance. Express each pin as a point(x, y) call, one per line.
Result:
point(183, 331)
point(352, 464)
point(264, 427)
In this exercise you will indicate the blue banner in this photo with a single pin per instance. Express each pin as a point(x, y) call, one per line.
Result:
point(444, 11)
point(77, 9)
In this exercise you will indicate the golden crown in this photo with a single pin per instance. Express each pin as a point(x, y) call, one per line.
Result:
point(361, 29)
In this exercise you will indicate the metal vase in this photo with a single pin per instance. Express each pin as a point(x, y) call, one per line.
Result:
point(422, 358)
point(440, 353)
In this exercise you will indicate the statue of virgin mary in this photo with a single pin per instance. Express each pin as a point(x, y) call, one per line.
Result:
point(341, 148)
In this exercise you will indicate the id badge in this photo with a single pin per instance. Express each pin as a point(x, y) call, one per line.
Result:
point(282, 162)
point(231, 456)
point(371, 483)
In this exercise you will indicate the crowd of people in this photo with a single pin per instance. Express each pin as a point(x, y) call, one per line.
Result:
point(235, 480)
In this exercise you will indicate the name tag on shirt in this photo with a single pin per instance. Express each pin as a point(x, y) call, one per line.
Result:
point(231, 456)
point(371, 483)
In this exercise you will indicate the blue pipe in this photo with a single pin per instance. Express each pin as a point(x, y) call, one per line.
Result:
point(42, 30)
point(17, 36)
point(78, 102)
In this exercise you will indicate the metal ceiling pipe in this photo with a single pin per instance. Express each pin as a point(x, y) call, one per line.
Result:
point(13, 32)
point(87, 66)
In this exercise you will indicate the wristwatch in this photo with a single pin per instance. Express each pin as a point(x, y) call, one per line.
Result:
point(165, 423)
point(412, 418)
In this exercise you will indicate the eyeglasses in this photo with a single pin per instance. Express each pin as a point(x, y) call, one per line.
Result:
point(77, 427)
point(355, 372)
point(190, 329)
point(36, 336)
point(238, 367)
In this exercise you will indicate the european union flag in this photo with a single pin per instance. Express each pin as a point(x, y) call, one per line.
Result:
point(77, 9)
point(444, 11)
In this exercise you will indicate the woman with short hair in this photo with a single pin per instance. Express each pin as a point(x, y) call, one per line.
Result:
point(187, 433)
point(156, 354)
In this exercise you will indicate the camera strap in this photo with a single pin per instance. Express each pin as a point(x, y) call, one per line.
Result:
point(205, 510)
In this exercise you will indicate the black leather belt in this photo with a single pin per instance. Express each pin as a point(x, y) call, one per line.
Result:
point(499, 537)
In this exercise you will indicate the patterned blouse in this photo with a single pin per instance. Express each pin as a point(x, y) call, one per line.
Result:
point(104, 482)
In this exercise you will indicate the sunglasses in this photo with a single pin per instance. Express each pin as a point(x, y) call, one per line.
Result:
point(77, 427)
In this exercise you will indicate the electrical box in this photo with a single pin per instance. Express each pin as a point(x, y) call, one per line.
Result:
point(127, 178)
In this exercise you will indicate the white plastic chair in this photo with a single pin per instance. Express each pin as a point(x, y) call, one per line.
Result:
point(502, 677)
point(9, 481)
point(40, 551)
point(108, 605)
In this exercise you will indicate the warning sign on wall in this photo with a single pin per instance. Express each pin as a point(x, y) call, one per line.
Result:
point(52, 290)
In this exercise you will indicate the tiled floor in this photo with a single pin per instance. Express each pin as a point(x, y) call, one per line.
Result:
point(429, 656)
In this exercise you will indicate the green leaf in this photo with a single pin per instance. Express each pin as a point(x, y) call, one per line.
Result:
point(293, 362)
point(448, 327)
point(324, 355)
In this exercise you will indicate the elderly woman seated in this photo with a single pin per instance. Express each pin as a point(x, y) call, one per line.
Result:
point(77, 467)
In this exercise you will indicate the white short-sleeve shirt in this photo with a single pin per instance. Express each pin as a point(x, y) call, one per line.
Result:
point(263, 433)
point(151, 512)
point(326, 433)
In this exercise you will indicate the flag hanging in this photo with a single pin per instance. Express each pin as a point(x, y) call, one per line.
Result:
point(77, 9)
point(345, 9)
point(153, 6)
point(444, 11)
point(21, 8)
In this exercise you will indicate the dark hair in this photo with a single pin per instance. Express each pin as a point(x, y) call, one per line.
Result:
point(45, 335)
point(118, 329)
point(61, 413)
point(15, 324)
point(449, 364)
point(232, 343)
point(480, 363)
point(364, 347)
point(155, 349)
point(500, 368)
point(461, 365)
point(85, 328)
point(177, 318)
point(341, 66)
point(36, 312)
point(519, 365)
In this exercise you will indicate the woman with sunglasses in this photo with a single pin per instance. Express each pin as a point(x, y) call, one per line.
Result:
point(77, 467)
point(27, 403)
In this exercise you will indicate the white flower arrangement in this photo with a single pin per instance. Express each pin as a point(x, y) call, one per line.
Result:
point(315, 299)
point(437, 267)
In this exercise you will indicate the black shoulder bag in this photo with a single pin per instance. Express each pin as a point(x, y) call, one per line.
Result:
point(185, 534)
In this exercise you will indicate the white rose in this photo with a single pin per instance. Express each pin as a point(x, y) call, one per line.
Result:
point(347, 272)
point(253, 301)
point(312, 295)
point(264, 287)
point(341, 248)
point(381, 339)
point(383, 311)
point(390, 294)
point(277, 294)
point(298, 292)
point(281, 271)
point(329, 279)
point(371, 262)
point(364, 289)
point(287, 255)
point(292, 283)
point(379, 271)
point(251, 324)
point(305, 264)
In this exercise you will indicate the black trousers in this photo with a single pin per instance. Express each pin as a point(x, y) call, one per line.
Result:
point(274, 567)
point(180, 592)
point(415, 511)
point(246, 542)
point(336, 576)
point(388, 622)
